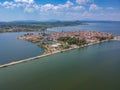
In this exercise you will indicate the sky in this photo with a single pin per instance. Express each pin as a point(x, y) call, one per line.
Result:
point(67, 10)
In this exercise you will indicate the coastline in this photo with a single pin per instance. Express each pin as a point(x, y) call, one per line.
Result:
point(48, 54)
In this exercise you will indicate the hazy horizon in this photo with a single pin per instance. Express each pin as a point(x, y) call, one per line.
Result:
point(52, 20)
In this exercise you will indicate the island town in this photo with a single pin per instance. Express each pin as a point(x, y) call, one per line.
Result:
point(60, 41)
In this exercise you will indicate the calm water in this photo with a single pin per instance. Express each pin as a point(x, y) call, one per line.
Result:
point(111, 27)
point(12, 49)
point(95, 67)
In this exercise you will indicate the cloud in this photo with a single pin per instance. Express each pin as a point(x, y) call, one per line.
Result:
point(30, 5)
point(94, 7)
point(7, 4)
point(66, 11)
point(84, 1)
point(24, 1)
point(27, 5)
point(110, 8)
point(31, 8)
point(78, 8)
point(68, 4)
point(51, 7)
point(47, 7)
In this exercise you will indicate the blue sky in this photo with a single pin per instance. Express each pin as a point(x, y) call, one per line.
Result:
point(43, 10)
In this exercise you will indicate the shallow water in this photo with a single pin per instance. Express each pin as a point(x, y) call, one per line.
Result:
point(91, 68)
point(94, 67)
point(12, 49)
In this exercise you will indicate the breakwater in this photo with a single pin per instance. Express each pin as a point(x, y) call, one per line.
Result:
point(48, 54)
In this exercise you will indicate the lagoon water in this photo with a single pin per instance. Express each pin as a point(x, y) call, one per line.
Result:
point(90, 68)
point(111, 27)
point(12, 49)
point(95, 67)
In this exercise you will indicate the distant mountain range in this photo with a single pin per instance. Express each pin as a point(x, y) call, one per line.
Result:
point(52, 21)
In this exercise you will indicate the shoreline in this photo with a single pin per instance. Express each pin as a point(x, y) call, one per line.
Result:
point(49, 54)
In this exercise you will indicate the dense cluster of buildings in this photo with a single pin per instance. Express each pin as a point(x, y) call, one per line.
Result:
point(89, 36)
